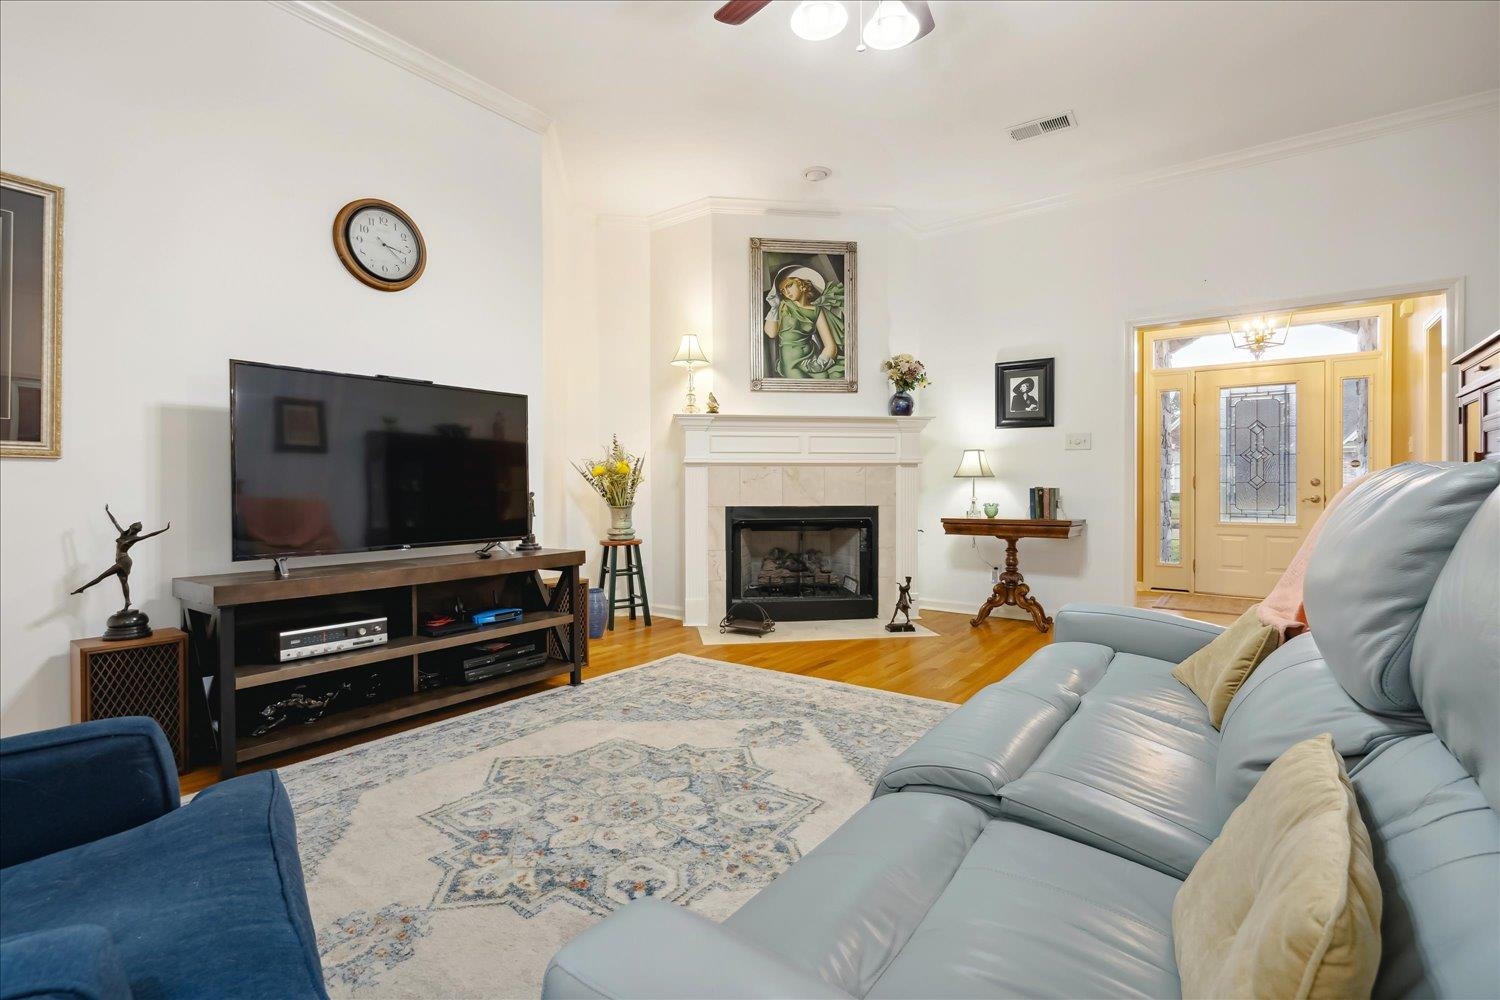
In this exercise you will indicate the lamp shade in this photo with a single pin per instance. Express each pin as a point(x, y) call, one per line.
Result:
point(974, 466)
point(690, 352)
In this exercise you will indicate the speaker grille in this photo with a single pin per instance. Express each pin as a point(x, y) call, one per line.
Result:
point(141, 680)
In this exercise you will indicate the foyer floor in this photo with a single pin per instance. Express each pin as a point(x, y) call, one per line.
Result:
point(949, 667)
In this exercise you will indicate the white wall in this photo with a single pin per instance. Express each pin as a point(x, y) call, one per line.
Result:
point(1397, 210)
point(204, 149)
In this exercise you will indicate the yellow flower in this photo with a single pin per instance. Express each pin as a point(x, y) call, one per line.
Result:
point(598, 470)
point(622, 468)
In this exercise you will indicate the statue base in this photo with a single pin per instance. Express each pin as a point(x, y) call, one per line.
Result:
point(903, 627)
point(127, 623)
point(529, 544)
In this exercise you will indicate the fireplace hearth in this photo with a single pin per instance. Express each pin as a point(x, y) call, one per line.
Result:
point(803, 563)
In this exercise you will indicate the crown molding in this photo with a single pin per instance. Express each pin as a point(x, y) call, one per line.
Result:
point(376, 41)
point(760, 206)
point(1340, 135)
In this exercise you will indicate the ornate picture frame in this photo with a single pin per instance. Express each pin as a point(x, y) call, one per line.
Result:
point(803, 316)
point(31, 221)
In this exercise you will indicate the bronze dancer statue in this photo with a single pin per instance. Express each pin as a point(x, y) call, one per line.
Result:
point(903, 607)
point(125, 623)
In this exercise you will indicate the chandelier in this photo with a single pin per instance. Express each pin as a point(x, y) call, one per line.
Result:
point(1258, 333)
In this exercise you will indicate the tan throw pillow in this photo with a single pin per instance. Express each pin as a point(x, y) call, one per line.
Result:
point(1285, 903)
point(1216, 671)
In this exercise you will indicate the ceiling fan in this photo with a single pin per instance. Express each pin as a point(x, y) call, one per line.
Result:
point(893, 24)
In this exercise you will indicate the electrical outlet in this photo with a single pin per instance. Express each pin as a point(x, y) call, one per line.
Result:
point(1079, 442)
point(994, 574)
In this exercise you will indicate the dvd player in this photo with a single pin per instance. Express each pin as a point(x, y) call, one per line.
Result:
point(320, 640)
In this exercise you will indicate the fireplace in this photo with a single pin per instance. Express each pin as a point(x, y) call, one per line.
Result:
point(803, 563)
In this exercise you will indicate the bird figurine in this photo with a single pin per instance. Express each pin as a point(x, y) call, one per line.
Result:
point(713, 404)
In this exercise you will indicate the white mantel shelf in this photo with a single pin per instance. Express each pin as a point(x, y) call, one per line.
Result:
point(714, 443)
point(796, 439)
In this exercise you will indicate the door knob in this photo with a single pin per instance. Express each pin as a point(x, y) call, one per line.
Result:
point(1315, 482)
point(1313, 499)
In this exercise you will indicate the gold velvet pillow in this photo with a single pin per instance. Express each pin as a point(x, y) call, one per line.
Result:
point(1285, 902)
point(1216, 671)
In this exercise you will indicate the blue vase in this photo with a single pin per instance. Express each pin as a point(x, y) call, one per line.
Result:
point(598, 611)
point(902, 404)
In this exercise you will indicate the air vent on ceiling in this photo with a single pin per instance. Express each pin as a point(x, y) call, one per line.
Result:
point(1041, 126)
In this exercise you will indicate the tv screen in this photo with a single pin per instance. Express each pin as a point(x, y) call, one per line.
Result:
point(323, 462)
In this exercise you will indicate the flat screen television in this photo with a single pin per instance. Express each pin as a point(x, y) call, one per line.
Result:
point(323, 462)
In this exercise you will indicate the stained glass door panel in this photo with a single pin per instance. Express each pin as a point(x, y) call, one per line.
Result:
point(1260, 435)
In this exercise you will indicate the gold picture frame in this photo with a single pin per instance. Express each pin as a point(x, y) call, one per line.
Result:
point(31, 261)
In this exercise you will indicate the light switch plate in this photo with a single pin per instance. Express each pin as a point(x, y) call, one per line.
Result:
point(1079, 442)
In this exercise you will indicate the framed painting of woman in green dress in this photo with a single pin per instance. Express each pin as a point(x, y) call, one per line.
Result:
point(802, 316)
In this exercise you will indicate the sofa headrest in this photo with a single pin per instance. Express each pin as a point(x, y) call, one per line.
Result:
point(1455, 661)
point(1375, 562)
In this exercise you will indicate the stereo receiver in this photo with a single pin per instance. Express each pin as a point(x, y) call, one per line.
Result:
point(297, 644)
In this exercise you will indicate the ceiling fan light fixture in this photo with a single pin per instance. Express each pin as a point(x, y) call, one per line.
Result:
point(819, 20)
point(891, 26)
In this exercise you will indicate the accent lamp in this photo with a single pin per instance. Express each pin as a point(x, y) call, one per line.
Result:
point(973, 466)
point(690, 353)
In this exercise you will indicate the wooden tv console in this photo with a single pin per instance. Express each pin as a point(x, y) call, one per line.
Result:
point(232, 621)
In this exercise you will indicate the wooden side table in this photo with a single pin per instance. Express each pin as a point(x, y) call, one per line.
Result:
point(1012, 588)
point(135, 677)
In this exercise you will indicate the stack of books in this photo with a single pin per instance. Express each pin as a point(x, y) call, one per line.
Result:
point(1046, 503)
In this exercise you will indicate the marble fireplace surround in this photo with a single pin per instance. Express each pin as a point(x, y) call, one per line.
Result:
point(736, 460)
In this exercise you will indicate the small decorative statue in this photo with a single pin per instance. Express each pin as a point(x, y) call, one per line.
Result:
point(529, 543)
point(903, 607)
point(713, 404)
point(127, 623)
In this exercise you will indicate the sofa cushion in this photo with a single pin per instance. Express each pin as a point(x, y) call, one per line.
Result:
point(1437, 853)
point(1132, 772)
point(1378, 556)
point(994, 736)
point(205, 901)
point(1031, 914)
point(67, 963)
point(1285, 903)
point(1455, 661)
point(1291, 697)
point(846, 909)
point(1216, 671)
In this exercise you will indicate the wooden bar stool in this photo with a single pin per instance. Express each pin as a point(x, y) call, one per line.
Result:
point(635, 569)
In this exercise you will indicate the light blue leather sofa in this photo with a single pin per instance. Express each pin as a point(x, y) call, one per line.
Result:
point(1032, 844)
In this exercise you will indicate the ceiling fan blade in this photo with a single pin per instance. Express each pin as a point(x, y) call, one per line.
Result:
point(923, 13)
point(740, 11)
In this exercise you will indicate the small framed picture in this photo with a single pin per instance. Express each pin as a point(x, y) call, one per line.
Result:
point(1024, 393)
point(299, 425)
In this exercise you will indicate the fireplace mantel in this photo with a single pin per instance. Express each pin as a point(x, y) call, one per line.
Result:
point(738, 458)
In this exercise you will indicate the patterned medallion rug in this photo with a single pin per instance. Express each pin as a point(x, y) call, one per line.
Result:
point(454, 860)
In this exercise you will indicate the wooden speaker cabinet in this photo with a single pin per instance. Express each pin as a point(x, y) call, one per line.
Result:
point(135, 677)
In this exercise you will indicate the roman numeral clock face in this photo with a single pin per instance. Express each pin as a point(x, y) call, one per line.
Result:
point(379, 244)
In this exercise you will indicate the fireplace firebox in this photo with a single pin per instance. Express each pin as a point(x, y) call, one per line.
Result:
point(803, 563)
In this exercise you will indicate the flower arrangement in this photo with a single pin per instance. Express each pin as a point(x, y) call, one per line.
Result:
point(905, 372)
point(616, 476)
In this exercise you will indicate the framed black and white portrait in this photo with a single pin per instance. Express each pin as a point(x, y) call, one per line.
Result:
point(1024, 393)
point(30, 318)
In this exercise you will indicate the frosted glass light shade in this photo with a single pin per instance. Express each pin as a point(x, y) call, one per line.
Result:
point(891, 26)
point(819, 20)
point(974, 466)
point(690, 352)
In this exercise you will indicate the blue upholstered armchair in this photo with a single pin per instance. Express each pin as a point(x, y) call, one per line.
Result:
point(110, 889)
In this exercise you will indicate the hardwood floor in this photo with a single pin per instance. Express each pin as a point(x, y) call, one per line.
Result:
point(950, 667)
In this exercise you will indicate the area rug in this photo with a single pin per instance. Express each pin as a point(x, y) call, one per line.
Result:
point(455, 859)
point(1211, 603)
point(872, 628)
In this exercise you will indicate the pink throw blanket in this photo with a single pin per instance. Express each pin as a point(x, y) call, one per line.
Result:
point(1283, 609)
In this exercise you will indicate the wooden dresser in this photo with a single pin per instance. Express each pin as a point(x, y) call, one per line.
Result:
point(1479, 400)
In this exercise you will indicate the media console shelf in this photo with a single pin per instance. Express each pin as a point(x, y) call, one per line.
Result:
point(232, 620)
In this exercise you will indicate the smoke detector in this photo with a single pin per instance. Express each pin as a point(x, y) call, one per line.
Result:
point(1041, 126)
point(816, 174)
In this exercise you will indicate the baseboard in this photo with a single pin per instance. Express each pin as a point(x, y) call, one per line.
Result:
point(1015, 614)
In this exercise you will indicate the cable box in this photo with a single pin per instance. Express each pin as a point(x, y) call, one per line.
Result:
point(339, 637)
point(495, 668)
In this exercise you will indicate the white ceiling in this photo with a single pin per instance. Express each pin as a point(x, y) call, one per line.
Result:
point(656, 104)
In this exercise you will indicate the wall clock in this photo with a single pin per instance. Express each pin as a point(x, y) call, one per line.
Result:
point(379, 244)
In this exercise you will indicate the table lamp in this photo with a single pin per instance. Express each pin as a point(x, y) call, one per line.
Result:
point(972, 467)
point(690, 353)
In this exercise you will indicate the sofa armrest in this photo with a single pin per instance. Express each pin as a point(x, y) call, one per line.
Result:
point(63, 787)
point(1134, 630)
point(655, 949)
point(68, 963)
